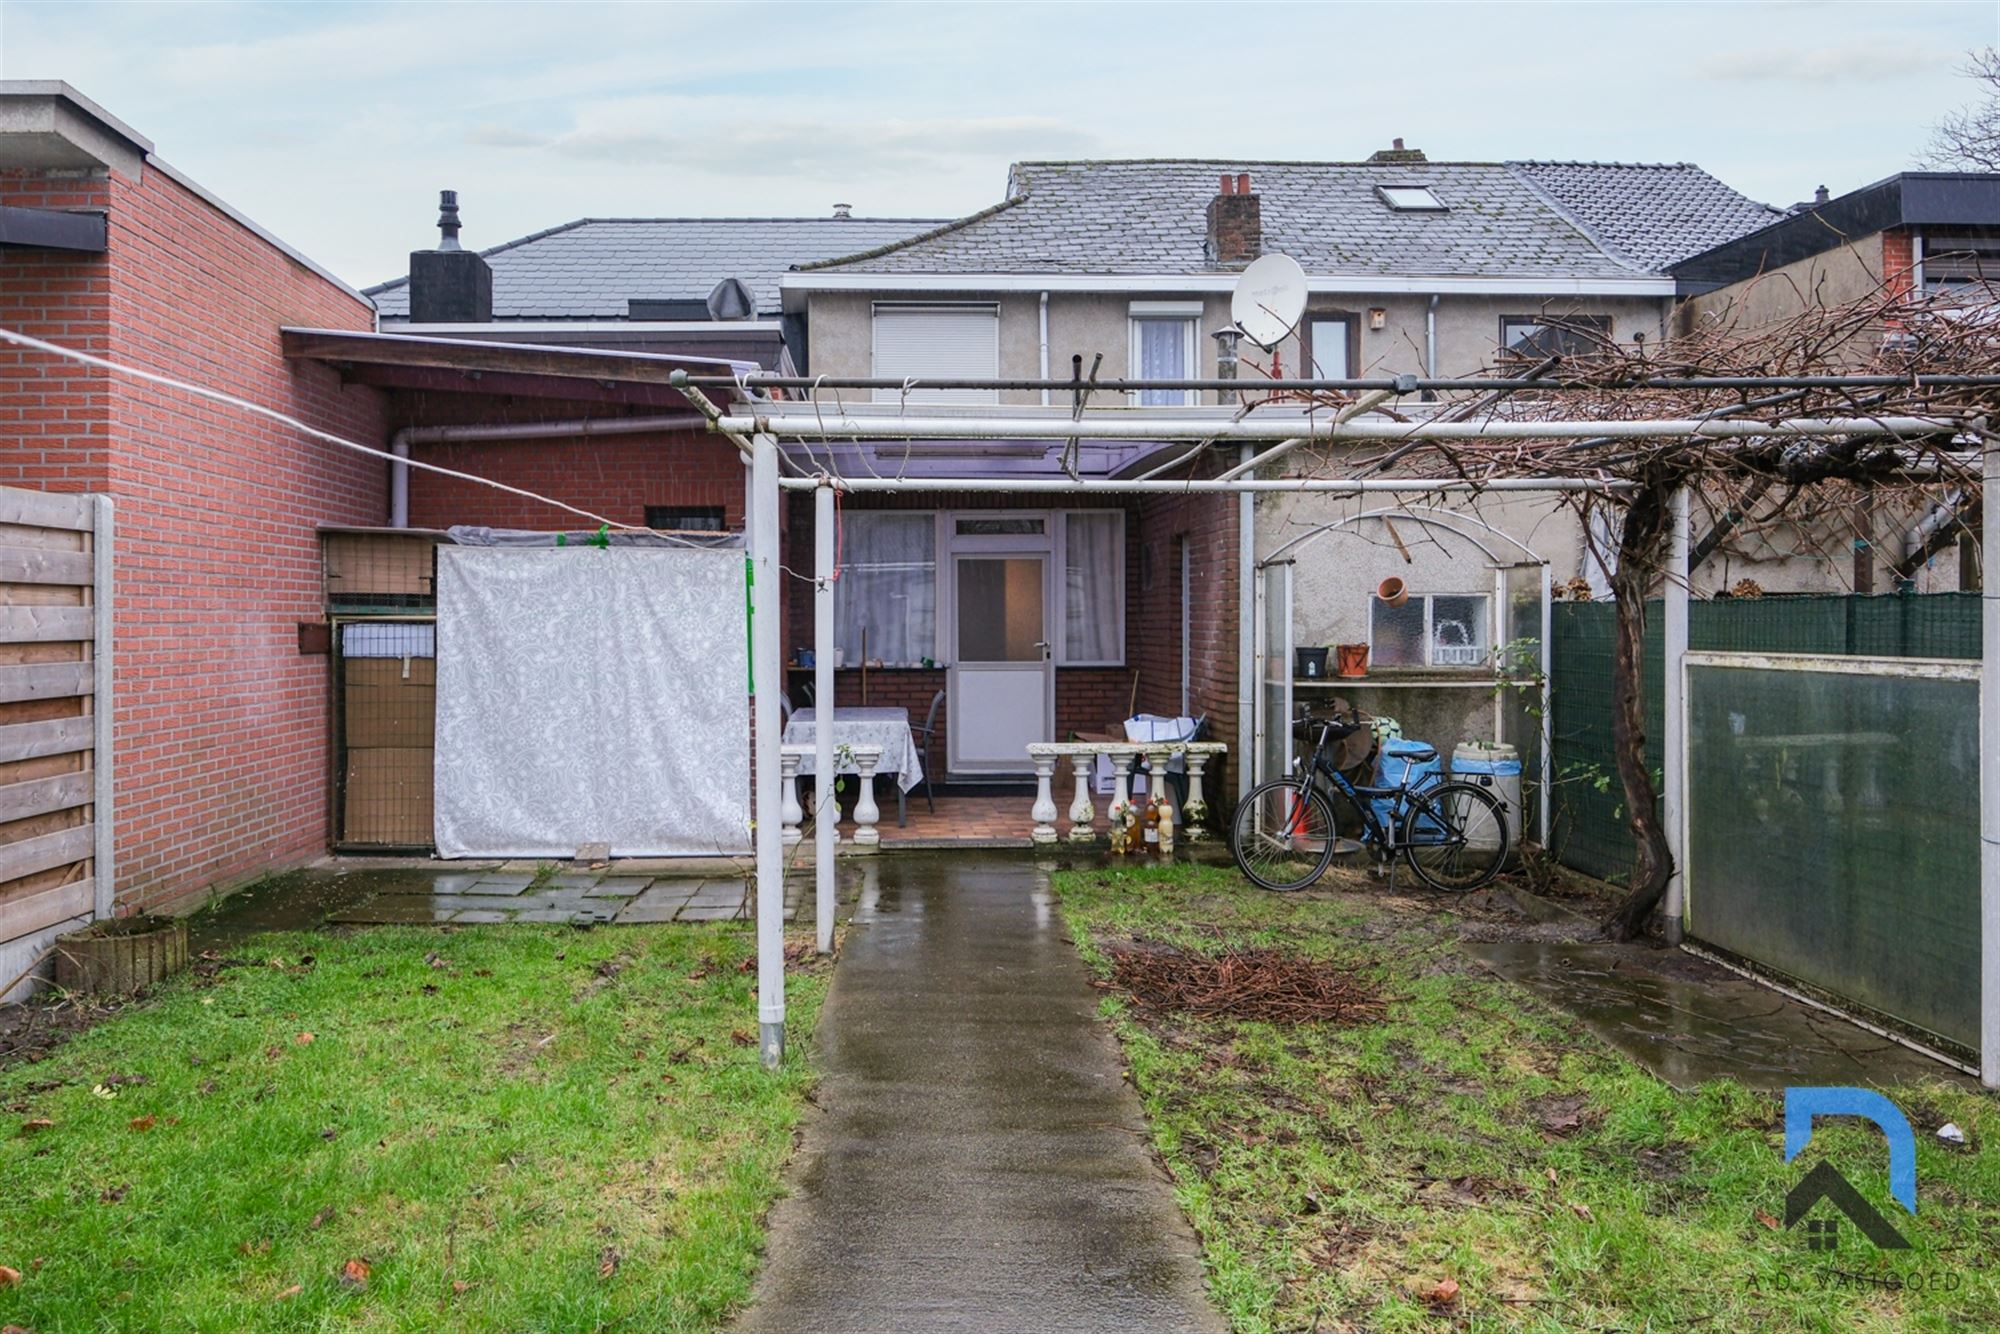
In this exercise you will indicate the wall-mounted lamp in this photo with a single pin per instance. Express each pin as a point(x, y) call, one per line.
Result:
point(1226, 341)
point(1378, 318)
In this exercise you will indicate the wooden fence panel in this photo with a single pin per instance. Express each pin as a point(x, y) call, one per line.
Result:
point(55, 735)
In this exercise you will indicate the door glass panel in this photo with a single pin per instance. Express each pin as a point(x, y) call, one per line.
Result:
point(1006, 527)
point(1000, 609)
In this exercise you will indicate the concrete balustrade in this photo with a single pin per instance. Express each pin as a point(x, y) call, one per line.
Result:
point(867, 815)
point(1125, 757)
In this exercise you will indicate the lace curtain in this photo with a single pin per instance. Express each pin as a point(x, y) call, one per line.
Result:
point(886, 595)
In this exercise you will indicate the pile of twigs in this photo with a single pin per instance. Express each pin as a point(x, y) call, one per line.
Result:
point(1267, 985)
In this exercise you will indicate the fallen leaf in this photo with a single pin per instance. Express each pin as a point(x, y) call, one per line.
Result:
point(1550, 1173)
point(460, 1285)
point(274, 1052)
point(1767, 1220)
point(15, 1329)
point(101, 1091)
point(436, 960)
point(607, 1264)
point(1583, 1211)
point(9, 1277)
point(113, 1194)
point(742, 1037)
point(323, 1217)
point(303, 1039)
point(141, 1122)
point(354, 1274)
point(258, 1247)
point(1445, 1292)
point(37, 1126)
point(292, 1291)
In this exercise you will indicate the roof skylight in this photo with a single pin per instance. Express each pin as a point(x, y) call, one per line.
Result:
point(1411, 198)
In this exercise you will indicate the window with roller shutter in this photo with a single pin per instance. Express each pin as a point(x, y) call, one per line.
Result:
point(932, 342)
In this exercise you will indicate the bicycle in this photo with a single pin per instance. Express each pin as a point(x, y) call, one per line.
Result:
point(1285, 834)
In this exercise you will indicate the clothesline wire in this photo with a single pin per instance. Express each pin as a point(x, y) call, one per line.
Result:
point(272, 414)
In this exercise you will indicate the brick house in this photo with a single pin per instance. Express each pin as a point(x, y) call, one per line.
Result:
point(221, 723)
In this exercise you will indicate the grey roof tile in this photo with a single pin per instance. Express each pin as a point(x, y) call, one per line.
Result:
point(1654, 214)
point(591, 268)
point(1503, 220)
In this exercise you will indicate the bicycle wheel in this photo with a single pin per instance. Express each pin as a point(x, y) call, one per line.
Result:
point(1455, 837)
point(1283, 836)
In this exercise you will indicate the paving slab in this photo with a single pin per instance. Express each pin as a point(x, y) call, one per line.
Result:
point(711, 912)
point(501, 884)
point(979, 1162)
point(1688, 1020)
point(465, 882)
point(619, 887)
point(398, 910)
point(480, 917)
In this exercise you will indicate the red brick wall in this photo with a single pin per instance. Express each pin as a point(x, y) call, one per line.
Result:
point(617, 477)
point(1898, 262)
point(1208, 525)
point(222, 726)
point(55, 416)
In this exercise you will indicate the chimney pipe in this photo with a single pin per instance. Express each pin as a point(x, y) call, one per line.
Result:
point(450, 284)
point(1820, 195)
point(1235, 223)
point(843, 210)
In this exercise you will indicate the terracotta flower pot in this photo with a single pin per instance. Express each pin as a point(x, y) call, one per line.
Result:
point(1393, 591)
point(1350, 660)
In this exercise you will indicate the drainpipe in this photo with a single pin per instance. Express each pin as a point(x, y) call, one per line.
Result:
point(1045, 349)
point(1431, 345)
point(399, 444)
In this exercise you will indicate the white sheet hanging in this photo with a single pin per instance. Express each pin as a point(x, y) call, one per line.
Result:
point(591, 696)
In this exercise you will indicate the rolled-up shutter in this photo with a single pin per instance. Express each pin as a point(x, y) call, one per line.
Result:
point(937, 342)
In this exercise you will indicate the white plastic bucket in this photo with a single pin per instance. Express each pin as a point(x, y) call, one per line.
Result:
point(1496, 766)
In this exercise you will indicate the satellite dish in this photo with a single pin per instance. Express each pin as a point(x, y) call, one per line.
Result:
point(1270, 297)
point(731, 300)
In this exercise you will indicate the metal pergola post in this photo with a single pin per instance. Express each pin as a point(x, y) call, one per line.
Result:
point(826, 813)
point(1673, 741)
point(766, 676)
point(1989, 786)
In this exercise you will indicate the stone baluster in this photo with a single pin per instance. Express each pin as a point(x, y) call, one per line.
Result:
point(1121, 801)
point(1044, 809)
point(788, 769)
point(1162, 792)
point(1195, 818)
point(1082, 811)
point(866, 836)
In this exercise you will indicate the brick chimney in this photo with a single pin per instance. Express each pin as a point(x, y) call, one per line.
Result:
point(1397, 153)
point(449, 285)
point(1235, 223)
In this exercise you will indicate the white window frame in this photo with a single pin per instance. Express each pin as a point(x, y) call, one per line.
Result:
point(1429, 664)
point(878, 308)
point(1189, 314)
point(1062, 589)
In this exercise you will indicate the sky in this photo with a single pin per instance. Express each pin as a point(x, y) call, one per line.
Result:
point(334, 125)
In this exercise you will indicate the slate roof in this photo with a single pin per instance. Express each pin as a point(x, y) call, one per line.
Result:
point(1654, 214)
point(1502, 220)
point(593, 267)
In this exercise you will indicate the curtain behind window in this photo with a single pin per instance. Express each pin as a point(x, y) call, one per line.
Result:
point(887, 587)
point(1093, 578)
point(1163, 356)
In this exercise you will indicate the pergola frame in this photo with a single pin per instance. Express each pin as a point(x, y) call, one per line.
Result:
point(758, 427)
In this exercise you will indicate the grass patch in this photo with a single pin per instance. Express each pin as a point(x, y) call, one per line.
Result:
point(1338, 1173)
point(511, 1127)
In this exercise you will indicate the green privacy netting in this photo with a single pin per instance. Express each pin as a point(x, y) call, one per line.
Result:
point(1589, 830)
point(1833, 834)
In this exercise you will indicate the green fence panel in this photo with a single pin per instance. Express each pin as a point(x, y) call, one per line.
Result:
point(1589, 832)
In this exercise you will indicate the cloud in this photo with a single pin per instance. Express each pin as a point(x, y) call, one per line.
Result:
point(1856, 62)
point(500, 136)
point(820, 148)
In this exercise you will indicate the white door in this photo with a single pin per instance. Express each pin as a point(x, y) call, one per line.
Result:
point(1003, 681)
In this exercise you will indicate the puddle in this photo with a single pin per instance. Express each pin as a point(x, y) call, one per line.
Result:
point(1687, 1020)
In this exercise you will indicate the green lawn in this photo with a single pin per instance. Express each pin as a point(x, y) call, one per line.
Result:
point(510, 1127)
point(1338, 1175)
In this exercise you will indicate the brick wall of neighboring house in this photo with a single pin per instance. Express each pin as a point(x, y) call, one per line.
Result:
point(1899, 261)
point(1207, 524)
point(617, 477)
point(55, 415)
point(223, 726)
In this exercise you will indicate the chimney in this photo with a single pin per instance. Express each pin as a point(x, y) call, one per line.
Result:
point(843, 210)
point(1235, 223)
point(1397, 153)
point(1820, 195)
point(449, 285)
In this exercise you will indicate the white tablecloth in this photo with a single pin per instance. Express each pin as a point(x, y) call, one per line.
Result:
point(887, 728)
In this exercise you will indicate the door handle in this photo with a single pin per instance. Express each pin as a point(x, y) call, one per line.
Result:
point(1046, 647)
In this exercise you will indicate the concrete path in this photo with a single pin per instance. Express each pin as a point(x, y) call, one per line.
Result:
point(978, 1162)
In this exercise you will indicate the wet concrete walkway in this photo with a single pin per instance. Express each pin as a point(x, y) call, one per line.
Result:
point(978, 1162)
